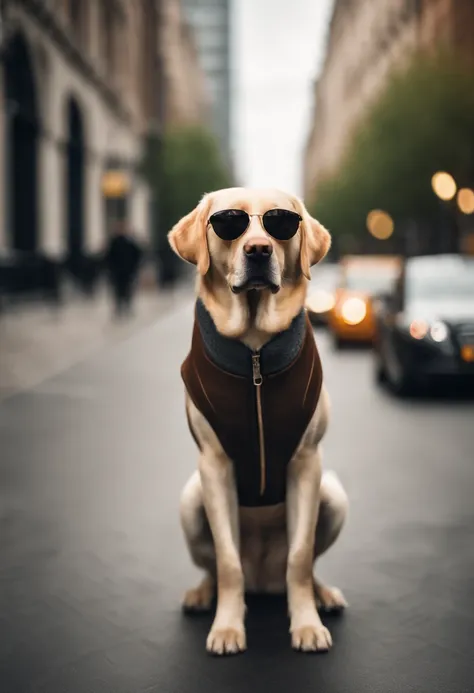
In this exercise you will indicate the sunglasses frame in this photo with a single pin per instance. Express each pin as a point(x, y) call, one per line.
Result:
point(260, 216)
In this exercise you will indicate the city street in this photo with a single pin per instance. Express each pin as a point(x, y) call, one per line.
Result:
point(37, 341)
point(93, 564)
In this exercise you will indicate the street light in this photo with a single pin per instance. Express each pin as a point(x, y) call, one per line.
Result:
point(115, 184)
point(465, 200)
point(380, 224)
point(444, 185)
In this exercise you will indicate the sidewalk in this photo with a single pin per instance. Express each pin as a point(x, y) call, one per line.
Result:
point(37, 341)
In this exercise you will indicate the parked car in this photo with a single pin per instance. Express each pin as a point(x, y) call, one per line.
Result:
point(425, 327)
point(321, 294)
point(362, 278)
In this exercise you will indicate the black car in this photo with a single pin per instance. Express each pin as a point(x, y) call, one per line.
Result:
point(425, 329)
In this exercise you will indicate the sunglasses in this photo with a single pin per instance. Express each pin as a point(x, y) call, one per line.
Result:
point(280, 224)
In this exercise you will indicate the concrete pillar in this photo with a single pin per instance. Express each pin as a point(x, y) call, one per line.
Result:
point(51, 165)
point(52, 211)
point(140, 211)
point(3, 163)
point(95, 236)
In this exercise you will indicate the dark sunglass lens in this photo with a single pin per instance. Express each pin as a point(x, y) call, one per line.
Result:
point(229, 224)
point(281, 223)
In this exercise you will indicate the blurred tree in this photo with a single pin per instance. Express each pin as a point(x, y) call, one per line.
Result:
point(422, 123)
point(192, 166)
point(180, 169)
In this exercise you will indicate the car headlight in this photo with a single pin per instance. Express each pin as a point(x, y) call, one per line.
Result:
point(435, 333)
point(320, 301)
point(353, 311)
point(418, 329)
point(439, 332)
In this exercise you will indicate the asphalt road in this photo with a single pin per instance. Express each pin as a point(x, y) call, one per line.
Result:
point(93, 566)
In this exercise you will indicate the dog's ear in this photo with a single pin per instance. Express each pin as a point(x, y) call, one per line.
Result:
point(315, 242)
point(188, 238)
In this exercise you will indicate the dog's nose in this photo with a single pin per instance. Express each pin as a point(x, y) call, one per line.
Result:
point(258, 248)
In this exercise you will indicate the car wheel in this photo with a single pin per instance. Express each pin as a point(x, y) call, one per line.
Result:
point(402, 387)
point(380, 372)
point(400, 382)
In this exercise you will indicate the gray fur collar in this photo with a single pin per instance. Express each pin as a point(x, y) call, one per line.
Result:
point(235, 357)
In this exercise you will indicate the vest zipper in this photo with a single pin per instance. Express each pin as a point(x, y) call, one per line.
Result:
point(257, 381)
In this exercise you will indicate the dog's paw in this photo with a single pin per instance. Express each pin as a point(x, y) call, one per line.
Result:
point(312, 638)
point(225, 641)
point(199, 599)
point(329, 598)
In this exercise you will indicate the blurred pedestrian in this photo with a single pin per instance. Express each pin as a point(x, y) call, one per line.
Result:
point(123, 262)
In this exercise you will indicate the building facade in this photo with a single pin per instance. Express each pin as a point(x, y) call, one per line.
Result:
point(210, 21)
point(367, 40)
point(78, 96)
point(185, 95)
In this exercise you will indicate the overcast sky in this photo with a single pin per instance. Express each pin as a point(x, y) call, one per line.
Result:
point(278, 49)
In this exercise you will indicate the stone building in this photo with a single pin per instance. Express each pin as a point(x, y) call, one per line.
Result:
point(186, 99)
point(78, 94)
point(368, 39)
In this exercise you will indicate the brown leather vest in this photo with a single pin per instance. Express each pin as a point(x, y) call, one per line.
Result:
point(260, 418)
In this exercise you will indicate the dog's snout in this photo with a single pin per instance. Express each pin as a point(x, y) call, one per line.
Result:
point(258, 248)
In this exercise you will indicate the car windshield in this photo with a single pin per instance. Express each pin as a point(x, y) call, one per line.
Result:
point(372, 280)
point(439, 278)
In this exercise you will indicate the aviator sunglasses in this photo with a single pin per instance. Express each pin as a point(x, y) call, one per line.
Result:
point(280, 224)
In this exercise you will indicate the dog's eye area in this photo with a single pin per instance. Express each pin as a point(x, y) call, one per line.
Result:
point(229, 224)
point(282, 224)
point(281, 214)
point(229, 214)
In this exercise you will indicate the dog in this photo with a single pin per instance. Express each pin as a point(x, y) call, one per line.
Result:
point(259, 511)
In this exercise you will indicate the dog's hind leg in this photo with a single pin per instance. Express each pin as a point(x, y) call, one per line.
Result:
point(332, 515)
point(200, 544)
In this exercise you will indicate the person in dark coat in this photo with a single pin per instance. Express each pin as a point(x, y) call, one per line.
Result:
point(123, 261)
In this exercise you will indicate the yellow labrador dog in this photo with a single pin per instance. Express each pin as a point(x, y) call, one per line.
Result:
point(259, 510)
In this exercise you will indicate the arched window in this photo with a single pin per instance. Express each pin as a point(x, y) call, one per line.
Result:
point(22, 152)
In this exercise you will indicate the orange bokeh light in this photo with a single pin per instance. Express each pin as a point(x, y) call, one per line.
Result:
point(465, 200)
point(444, 185)
point(380, 224)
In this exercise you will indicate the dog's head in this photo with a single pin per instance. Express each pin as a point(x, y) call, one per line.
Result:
point(239, 235)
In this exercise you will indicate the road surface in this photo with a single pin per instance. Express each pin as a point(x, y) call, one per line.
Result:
point(93, 565)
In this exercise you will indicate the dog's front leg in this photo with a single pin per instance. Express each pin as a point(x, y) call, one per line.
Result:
point(227, 635)
point(304, 480)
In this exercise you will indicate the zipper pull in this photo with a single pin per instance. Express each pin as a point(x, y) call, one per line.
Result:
point(257, 376)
